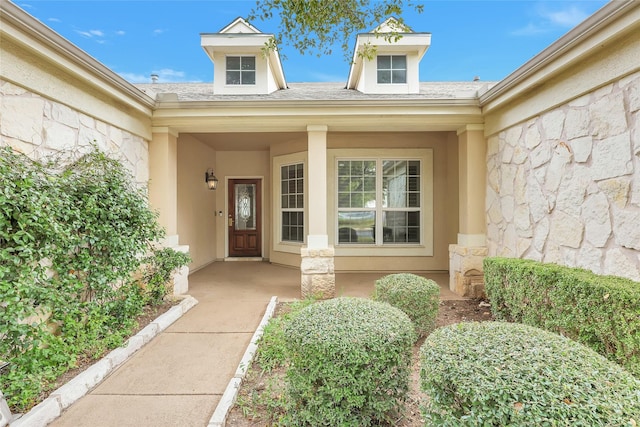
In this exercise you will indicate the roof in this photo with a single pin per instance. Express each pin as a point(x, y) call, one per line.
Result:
point(185, 92)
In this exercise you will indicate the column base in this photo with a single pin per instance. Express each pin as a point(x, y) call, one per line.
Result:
point(318, 279)
point(180, 275)
point(466, 276)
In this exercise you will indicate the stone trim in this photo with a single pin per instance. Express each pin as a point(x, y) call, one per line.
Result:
point(466, 274)
point(318, 277)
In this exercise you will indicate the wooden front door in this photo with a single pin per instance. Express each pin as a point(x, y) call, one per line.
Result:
point(245, 222)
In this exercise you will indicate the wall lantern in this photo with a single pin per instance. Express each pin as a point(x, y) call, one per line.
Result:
point(210, 179)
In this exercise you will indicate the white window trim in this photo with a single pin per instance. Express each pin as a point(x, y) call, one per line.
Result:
point(406, 70)
point(279, 161)
point(425, 248)
point(255, 71)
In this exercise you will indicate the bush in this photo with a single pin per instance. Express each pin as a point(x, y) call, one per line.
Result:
point(499, 374)
point(417, 296)
point(72, 234)
point(350, 362)
point(600, 312)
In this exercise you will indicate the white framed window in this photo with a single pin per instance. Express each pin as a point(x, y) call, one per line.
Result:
point(241, 70)
point(290, 220)
point(379, 201)
point(292, 202)
point(392, 69)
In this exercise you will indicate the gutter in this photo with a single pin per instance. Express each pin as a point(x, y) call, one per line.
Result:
point(592, 25)
point(45, 35)
point(318, 103)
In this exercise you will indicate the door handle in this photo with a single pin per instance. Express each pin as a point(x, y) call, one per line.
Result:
point(230, 221)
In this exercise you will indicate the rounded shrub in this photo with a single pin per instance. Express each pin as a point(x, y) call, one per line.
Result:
point(350, 361)
point(417, 296)
point(499, 374)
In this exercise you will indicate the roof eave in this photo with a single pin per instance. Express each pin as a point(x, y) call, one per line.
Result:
point(82, 65)
point(554, 58)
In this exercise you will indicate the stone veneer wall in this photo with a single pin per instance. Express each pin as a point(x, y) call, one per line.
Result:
point(37, 127)
point(564, 187)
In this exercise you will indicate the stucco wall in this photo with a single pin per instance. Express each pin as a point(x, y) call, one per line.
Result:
point(196, 203)
point(564, 185)
point(242, 164)
point(39, 126)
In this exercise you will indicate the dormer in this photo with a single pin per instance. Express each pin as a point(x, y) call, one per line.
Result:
point(240, 65)
point(394, 69)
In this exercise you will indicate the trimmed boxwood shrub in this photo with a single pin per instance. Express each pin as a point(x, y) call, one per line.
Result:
point(499, 374)
point(417, 296)
point(350, 360)
point(601, 312)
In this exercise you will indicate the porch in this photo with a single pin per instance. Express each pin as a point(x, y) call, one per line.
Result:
point(254, 280)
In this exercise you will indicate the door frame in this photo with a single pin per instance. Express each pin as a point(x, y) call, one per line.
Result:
point(226, 215)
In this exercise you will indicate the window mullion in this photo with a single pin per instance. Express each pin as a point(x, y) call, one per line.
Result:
point(379, 201)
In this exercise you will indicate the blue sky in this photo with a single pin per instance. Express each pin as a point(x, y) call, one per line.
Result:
point(488, 39)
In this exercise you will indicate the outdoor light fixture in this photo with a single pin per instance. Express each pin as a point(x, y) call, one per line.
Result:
point(210, 179)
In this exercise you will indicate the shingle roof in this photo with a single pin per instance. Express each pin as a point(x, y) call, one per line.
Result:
point(317, 92)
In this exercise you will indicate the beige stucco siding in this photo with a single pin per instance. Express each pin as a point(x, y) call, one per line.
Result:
point(242, 164)
point(197, 206)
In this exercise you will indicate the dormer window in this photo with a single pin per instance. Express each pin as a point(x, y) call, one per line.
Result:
point(241, 70)
point(392, 69)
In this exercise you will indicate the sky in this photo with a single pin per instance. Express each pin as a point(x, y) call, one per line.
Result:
point(469, 39)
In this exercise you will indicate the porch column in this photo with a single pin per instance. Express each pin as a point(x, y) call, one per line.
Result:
point(317, 267)
point(465, 257)
point(163, 193)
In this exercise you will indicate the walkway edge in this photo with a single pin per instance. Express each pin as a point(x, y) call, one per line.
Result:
point(60, 399)
point(219, 417)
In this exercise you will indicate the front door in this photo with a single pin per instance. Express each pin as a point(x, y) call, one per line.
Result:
point(244, 222)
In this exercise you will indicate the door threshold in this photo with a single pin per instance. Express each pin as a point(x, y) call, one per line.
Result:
point(243, 259)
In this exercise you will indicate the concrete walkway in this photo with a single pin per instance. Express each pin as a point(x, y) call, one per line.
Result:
point(179, 377)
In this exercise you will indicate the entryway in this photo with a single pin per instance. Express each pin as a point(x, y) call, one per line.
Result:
point(244, 222)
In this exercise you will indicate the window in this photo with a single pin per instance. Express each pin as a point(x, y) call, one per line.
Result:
point(392, 69)
point(379, 201)
point(241, 70)
point(292, 202)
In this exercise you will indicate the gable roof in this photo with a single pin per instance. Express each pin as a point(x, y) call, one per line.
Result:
point(240, 36)
point(409, 41)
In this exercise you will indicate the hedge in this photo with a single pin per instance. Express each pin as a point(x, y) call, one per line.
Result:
point(417, 296)
point(350, 361)
point(602, 312)
point(509, 374)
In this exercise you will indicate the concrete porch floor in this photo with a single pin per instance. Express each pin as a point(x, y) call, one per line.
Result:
point(179, 377)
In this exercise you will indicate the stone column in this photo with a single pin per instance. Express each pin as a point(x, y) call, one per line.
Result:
point(465, 257)
point(317, 267)
point(163, 194)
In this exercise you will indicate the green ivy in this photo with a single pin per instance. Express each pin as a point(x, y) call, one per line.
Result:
point(72, 235)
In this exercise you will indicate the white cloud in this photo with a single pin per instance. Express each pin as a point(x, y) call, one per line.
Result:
point(567, 18)
point(54, 20)
point(91, 33)
point(552, 18)
point(120, 33)
point(530, 30)
point(165, 75)
point(157, 32)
